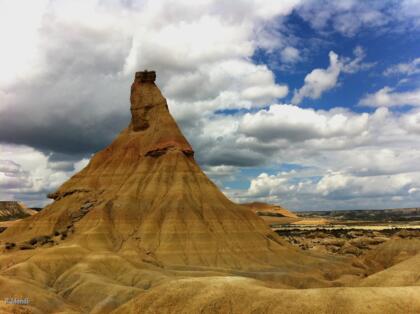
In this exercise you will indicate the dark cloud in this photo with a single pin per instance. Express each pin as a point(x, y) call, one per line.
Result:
point(75, 98)
point(61, 135)
point(230, 157)
point(75, 102)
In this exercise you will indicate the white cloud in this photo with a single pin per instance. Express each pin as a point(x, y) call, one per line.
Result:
point(374, 160)
point(413, 190)
point(264, 92)
point(351, 16)
point(342, 185)
point(344, 159)
point(297, 124)
point(409, 68)
point(271, 8)
point(411, 122)
point(221, 173)
point(319, 80)
point(386, 97)
point(266, 185)
point(12, 176)
point(19, 37)
point(28, 175)
point(332, 190)
point(79, 165)
point(355, 65)
point(87, 53)
point(290, 55)
point(410, 10)
point(286, 133)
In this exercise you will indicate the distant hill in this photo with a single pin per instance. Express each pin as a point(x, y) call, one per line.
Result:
point(395, 214)
point(12, 210)
point(264, 209)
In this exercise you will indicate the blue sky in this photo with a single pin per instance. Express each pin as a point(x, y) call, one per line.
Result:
point(308, 104)
point(383, 49)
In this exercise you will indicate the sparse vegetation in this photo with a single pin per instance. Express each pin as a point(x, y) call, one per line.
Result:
point(26, 246)
point(10, 245)
point(343, 241)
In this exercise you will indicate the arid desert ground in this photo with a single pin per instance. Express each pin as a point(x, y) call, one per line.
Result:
point(141, 229)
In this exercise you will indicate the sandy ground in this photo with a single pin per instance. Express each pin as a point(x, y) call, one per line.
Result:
point(8, 223)
point(308, 226)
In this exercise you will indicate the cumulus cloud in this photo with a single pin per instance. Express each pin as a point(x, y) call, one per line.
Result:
point(266, 185)
point(338, 154)
point(19, 38)
point(411, 122)
point(297, 124)
point(65, 79)
point(387, 97)
point(290, 55)
point(319, 80)
point(342, 185)
point(71, 95)
point(380, 142)
point(335, 189)
point(27, 174)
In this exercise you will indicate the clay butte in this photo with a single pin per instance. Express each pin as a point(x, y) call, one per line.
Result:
point(145, 195)
point(141, 229)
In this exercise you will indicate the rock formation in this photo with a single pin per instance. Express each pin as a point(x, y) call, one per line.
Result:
point(141, 229)
point(12, 210)
point(264, 209)
point(145, 192)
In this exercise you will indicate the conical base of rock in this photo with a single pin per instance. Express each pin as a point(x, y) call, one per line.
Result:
point(146, 193)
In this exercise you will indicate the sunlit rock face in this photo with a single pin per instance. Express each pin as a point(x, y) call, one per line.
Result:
point(149, 111)
point(145, 96)
point(145, 193)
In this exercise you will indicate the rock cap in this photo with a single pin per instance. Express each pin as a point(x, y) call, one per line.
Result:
point(145, 76)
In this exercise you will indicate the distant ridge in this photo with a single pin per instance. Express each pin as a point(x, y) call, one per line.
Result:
point(264, 209)
point(12, 210)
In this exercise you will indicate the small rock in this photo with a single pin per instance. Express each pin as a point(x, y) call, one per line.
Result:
point(26, 246)
point(9, 245)
point(86, 206)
